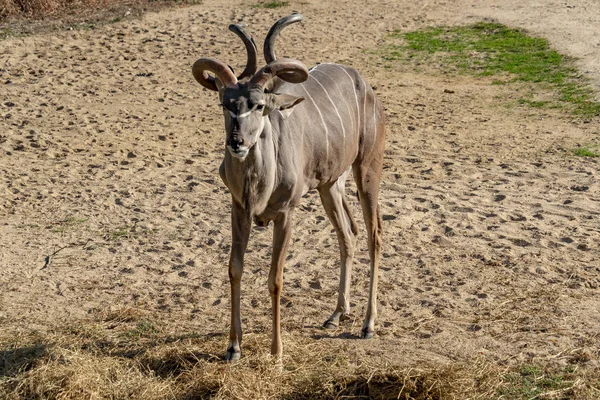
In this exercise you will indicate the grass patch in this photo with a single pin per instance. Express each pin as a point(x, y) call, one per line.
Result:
point(68, 224)
point(586, 151)
point(533, 382)
point(123, 232)
point(535, 104)
point(9, 32)
point(491, 49)
point(143, 328)
point(119, 233)
point(272, 4)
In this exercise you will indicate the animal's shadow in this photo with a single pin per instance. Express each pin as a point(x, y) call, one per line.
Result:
point(171, 363)
point(334, 335)
point(17, 360)
point(14, 361)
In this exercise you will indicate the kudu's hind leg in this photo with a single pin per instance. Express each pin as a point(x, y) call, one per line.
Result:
point(367, 181)
point(336, 207)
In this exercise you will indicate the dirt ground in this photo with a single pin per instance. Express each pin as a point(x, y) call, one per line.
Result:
point(110, 196)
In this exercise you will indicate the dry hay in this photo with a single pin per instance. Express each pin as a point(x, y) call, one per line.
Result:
point(75, 365)
point(101, 359)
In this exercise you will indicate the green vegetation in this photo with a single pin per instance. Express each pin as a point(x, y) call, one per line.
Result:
point(272, 4)
point(491, 49)
point(533, 382)
point(587, 151)
point(9, 33)
point(121, 232)
point(87, 26)
point(68, 224)
point(142, 329)
point(535, 104)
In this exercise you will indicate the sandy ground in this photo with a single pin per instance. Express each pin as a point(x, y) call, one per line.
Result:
point(110, 196)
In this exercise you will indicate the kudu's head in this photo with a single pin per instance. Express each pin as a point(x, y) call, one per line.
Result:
point(248, 99)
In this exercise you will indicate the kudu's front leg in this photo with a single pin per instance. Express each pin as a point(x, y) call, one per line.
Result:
point(282, 232)
point(240, 229)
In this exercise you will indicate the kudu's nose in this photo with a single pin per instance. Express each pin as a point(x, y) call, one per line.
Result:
point(236, 142)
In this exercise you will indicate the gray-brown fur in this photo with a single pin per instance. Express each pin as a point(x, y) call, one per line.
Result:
point(287, 132)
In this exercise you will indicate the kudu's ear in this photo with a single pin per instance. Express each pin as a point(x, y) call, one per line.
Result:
point(282, 102)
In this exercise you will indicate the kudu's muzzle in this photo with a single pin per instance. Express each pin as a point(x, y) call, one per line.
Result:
point(236, 142)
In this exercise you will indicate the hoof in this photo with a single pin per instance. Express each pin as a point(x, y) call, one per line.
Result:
point(334, 321)
point(232, 355)
point(329, 324)
point(367, 334)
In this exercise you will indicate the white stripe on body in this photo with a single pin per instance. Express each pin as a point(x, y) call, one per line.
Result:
point(364, 114)
point(374, 113)
point(322, 120)
point(334, 106)
point(355, 94)
point(350, 113)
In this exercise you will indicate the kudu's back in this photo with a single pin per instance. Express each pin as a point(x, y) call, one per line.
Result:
point(340, 121)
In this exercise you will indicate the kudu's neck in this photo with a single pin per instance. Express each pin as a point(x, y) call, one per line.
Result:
point(254, 179)
point(262, 157)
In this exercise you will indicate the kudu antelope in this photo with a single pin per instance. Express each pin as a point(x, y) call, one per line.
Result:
point(288, 131)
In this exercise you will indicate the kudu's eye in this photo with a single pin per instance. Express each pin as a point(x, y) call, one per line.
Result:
point(259, 107)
